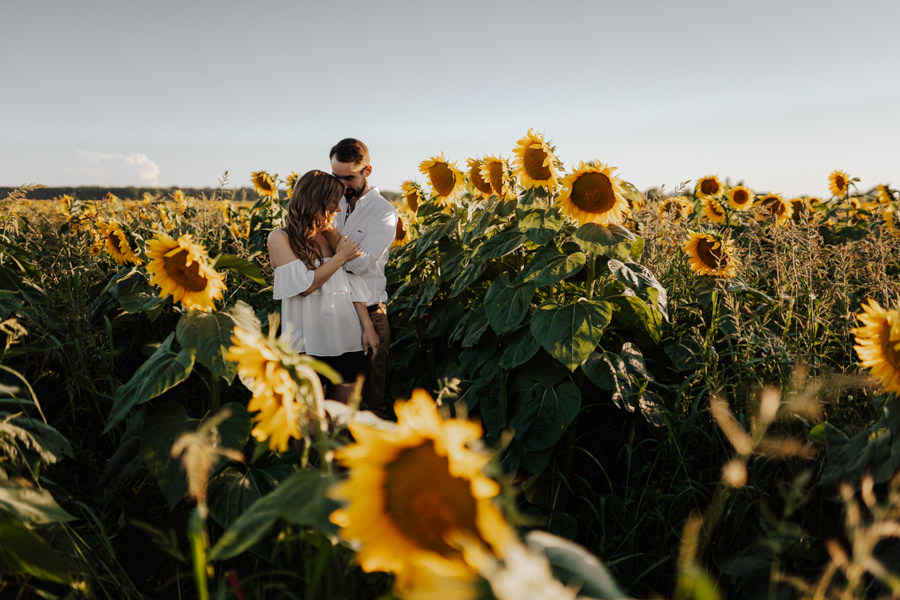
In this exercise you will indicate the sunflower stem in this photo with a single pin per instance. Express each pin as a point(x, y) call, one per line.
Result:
point(591, 276)
point(199, 544)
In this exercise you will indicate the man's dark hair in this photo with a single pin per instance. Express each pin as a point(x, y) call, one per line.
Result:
point(350, 150)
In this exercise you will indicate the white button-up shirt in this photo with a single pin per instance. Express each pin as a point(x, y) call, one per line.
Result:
point(372, 225)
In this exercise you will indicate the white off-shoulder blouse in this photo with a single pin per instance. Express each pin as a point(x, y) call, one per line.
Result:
point(323, 323)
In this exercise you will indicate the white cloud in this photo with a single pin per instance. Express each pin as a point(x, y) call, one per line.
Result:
point(99, 168)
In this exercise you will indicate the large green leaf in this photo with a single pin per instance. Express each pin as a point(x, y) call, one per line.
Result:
point(633, 313)
point(520, 348)
point(546, 402)
point(640, 279)
point(301, 499)
point(31, 505)
point(507, 304)
point(540, 225)
point(18, 432)
point(551, 266)
point(500, 245)
point(470, 274)
point(208, 335)
point(233, 490)
point(240, 265)
point(162, 371)
point(25, 552)
point(570, 332)
point(613, 241)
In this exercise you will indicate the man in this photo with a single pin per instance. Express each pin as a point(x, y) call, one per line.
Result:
point(369, 220)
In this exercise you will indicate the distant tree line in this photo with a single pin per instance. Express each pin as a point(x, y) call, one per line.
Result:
point(137, 193)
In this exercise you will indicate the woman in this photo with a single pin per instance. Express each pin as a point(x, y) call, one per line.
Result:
point(323, 307)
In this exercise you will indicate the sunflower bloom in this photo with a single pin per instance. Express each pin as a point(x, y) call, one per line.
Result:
point(412, 195)
point(713, 210)
point(264, 184)
point(710, 255)
point(709, 187)
point(740, 198)
point(592, 194)
point(675, 208)
point(884, 194)
point(290, 181)
point(838, 183)
point(878, 343)
point(890, 219)
point(481, 185)
point(445, 179)
point(116, 244)
point(415, 493)
point(773, 205)
point(535, 163)
point(800, 210)
point(181, 269)
point(495, 170)
point(401, 237)
point(273, 376)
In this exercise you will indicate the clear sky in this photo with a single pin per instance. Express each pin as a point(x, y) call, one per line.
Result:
point(776, 94)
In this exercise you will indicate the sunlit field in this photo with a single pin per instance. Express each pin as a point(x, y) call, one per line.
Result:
point(602, 392)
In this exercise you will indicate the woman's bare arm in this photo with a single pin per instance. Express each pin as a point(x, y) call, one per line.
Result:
point(280, 253)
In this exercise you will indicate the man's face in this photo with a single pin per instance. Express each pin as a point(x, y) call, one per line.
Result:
point(352, 176)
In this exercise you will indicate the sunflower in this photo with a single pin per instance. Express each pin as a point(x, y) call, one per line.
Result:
point(710, 255)
point(481, 185)
point(592, 194)
point(445, 179)
point(264, 184)
point(495, 171)
point(773, 205)
point(115, 242)
point(180, 199)
point(713, 210)
point(290, 181)
point(535, 164)
point(884, 194)
point(401, 237)
point(838, 183)
point(414, 493)
point(889, 217)
point(878, 343)
point(279, 383)
point(412, 196)
point(800, 209)
point(740, 197)
point(675, 208)
point(181, 269)
point(709, 187)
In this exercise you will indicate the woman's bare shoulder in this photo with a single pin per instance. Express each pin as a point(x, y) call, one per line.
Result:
point(280, 252)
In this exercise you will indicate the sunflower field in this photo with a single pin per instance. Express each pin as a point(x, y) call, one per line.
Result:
point(601, 393)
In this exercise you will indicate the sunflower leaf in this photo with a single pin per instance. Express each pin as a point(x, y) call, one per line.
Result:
point(239, 265)
point(614, 241)
point(550, 266)
point(31, 505)
point(162, 371)
point(500, 245)
point(209, 336)
point(506, 304)
point(540, 225)
point(25, 552)
point(520, 349)
point(570, 332)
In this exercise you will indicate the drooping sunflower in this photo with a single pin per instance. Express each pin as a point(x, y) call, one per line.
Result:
point(481, 185)
point(878, 343)
point(709, 187)
point(535, 163)
point(883, 194)
point(713, 210)
point(290, 181)
point(740, 197)
point(264, 184)
point(414, 491)
point(445, 179)
point(495, 170)
point(413, 196)
point(592, 194)
point(675, 208)
point(838, 183)
point(279, 385)
point(181, 269)
point(800, 210)
point(116, 243)
point(710, 255)
point(772, 205)
point(401, 237)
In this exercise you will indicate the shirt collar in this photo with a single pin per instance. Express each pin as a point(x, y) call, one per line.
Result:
point(363, 200)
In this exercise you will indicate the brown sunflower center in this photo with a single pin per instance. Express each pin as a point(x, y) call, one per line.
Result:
point(495, 175)
point(715, 208)
point(427, 503)
point(533, 163)
point(890, 341)
point(443, 180)
point(712, 253)
point(710, 187)
point(477, 180)
point(840, 182)
point(401, 230)
point(593, 193)
point(773, 205)
point(412, 201)
point(741, 197)
point(113, 238)
point(187, 276)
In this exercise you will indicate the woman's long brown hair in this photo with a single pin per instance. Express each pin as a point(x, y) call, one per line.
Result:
point(307, 210)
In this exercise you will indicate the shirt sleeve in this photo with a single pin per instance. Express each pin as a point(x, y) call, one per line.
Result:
point(291, 279)
point(359, 291)
point(380, 234)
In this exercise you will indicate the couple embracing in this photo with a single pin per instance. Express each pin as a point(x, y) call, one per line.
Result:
point(329, 261)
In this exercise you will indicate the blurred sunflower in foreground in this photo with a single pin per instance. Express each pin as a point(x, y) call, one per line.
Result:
point(710, 255)
point(535, 163)
point(592, 194)
point(445, 179)
point(416, 498)
point(181, 269)
point(878, 343)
